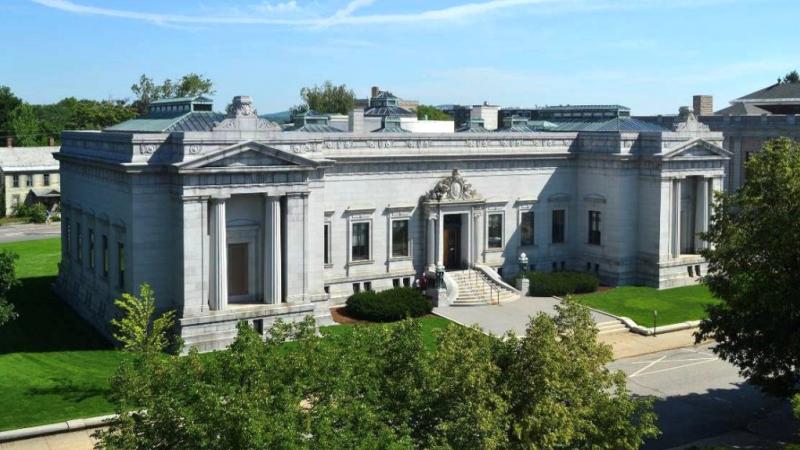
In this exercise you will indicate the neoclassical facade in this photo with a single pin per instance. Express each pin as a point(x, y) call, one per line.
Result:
point(231, 218)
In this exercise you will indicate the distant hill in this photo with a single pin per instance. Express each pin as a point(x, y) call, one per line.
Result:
point(278, 117)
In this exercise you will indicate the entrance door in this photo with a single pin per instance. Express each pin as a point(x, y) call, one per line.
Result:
point(237, 270)
point(452, 248)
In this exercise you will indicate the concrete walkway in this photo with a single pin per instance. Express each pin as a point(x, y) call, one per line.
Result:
point(513, 315)
point(74, 440)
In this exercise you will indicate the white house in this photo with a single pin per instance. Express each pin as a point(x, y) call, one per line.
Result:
point(231, 218)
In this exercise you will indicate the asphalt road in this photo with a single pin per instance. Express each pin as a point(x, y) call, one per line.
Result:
point(701, 396)
point(29, 231)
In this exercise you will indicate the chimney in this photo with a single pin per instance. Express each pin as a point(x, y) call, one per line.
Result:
point(9, 142)
point(375, 91)
point(703, 105)
point(51, 141)
point(355, 120)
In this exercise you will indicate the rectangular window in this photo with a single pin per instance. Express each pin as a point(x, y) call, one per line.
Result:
point(15, 180)
point(526, 228)
point(356, 288)
point(360, 250)
point(594, 227)
point(67, 236)
point(400, 238)
point(105, 256)
point(46, 179)
point(327, 241)
point(559, 221)
point(495, 238)
point(29, 181)
point(78, 242)
point(91, 248)
point(121, 265)
point(368, 286)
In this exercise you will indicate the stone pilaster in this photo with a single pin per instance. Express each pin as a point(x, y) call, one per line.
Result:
point(676, 218)
point(194, 256)
point(219, 255)
point(272, 276)
point(296, 257)
point(431, 261)
point(702, 204)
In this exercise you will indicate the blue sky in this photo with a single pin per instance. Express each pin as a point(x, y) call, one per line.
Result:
point(650, 55)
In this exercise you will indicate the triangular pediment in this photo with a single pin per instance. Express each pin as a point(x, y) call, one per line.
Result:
point(248, 154)
point(697, 148)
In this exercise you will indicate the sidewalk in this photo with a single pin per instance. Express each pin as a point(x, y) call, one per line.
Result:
point(75, 440)
point(626, 344)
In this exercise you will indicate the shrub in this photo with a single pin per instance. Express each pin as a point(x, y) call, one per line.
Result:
point(546, 284)
point(388, 306)
point(37, 213)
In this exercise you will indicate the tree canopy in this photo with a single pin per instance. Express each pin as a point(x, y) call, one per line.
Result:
point(431, 113)
point(754, 267)
point(8, 280)
point(8, 102)
point(328, 99)
point(191, 84)
point(380, 387)
point(791, 77)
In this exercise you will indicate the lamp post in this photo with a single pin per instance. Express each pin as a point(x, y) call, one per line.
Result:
point(523, 283)
point(439, 275)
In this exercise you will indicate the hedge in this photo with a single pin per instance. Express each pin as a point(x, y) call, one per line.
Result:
point(388, 306)
point(546, 284)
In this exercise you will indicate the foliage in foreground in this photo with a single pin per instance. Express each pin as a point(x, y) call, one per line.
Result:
point(37, 212)
point(8, 279)
point(546, 284)
point(378, 387)
point(389, 305)
point(753, 268)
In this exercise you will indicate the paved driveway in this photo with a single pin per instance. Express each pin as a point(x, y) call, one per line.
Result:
point(513, 315)
point(701, 397)
point(29, 231)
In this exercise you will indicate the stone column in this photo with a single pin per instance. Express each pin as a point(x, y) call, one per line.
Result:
point(478, 236)
point(219, 255)
point(440, 239)
point(272, 276)
point(431, 243)
point(702, 202)
point(676, 218)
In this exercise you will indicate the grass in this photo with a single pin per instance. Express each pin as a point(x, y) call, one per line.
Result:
point(429, 325)
point(53, 365)
point(673, 305)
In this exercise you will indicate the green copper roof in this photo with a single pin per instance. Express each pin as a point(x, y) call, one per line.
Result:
point(169, 122)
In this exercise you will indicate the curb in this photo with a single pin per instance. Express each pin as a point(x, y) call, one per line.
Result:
point(56, 428)
point(633, 327)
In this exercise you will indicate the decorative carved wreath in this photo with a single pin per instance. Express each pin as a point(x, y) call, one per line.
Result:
point(454, 187)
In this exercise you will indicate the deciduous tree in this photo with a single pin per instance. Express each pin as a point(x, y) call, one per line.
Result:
point(8, 280)
point(328, 98)
point(24, 125)
point(427, 112)
point(754, 267)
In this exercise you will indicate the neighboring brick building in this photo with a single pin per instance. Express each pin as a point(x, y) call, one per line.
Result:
point(29, 175)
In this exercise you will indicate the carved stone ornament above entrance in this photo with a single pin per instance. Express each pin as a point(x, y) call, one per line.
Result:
point(242, 115)
point(452, 188)
point(687, 121)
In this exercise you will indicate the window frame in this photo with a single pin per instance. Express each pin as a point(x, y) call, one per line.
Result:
point(407, 244)
point(29, 180)
point(106, 263)
point(91, 248)
point(532, 223)
point(78, 243)
point(326, 243)
point(121, 264)
point(15, 180)
point(46, 179)
point(595, 220)
point(563, 226)
point(368, 256)
point(502, 241)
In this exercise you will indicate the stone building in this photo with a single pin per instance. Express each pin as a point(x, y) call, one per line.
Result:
point(29, 175)
point(232, 218)
point(748, 122)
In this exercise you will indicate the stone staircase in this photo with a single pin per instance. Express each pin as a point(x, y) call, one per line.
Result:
point(475, 288)
point(611, 326)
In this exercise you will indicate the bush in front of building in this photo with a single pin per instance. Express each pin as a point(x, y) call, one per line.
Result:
point(388, 306)
point(546, 284)
point(36, 213)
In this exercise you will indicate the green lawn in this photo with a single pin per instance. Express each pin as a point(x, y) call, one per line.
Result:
point(54, 366)
point(429, 325)
point(673, 305)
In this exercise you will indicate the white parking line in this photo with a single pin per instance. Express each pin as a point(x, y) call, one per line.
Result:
point(652, 363)
point(668, 369)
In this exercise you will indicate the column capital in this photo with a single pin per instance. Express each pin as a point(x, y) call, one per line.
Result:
point(299, 194)
point(219, 198)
